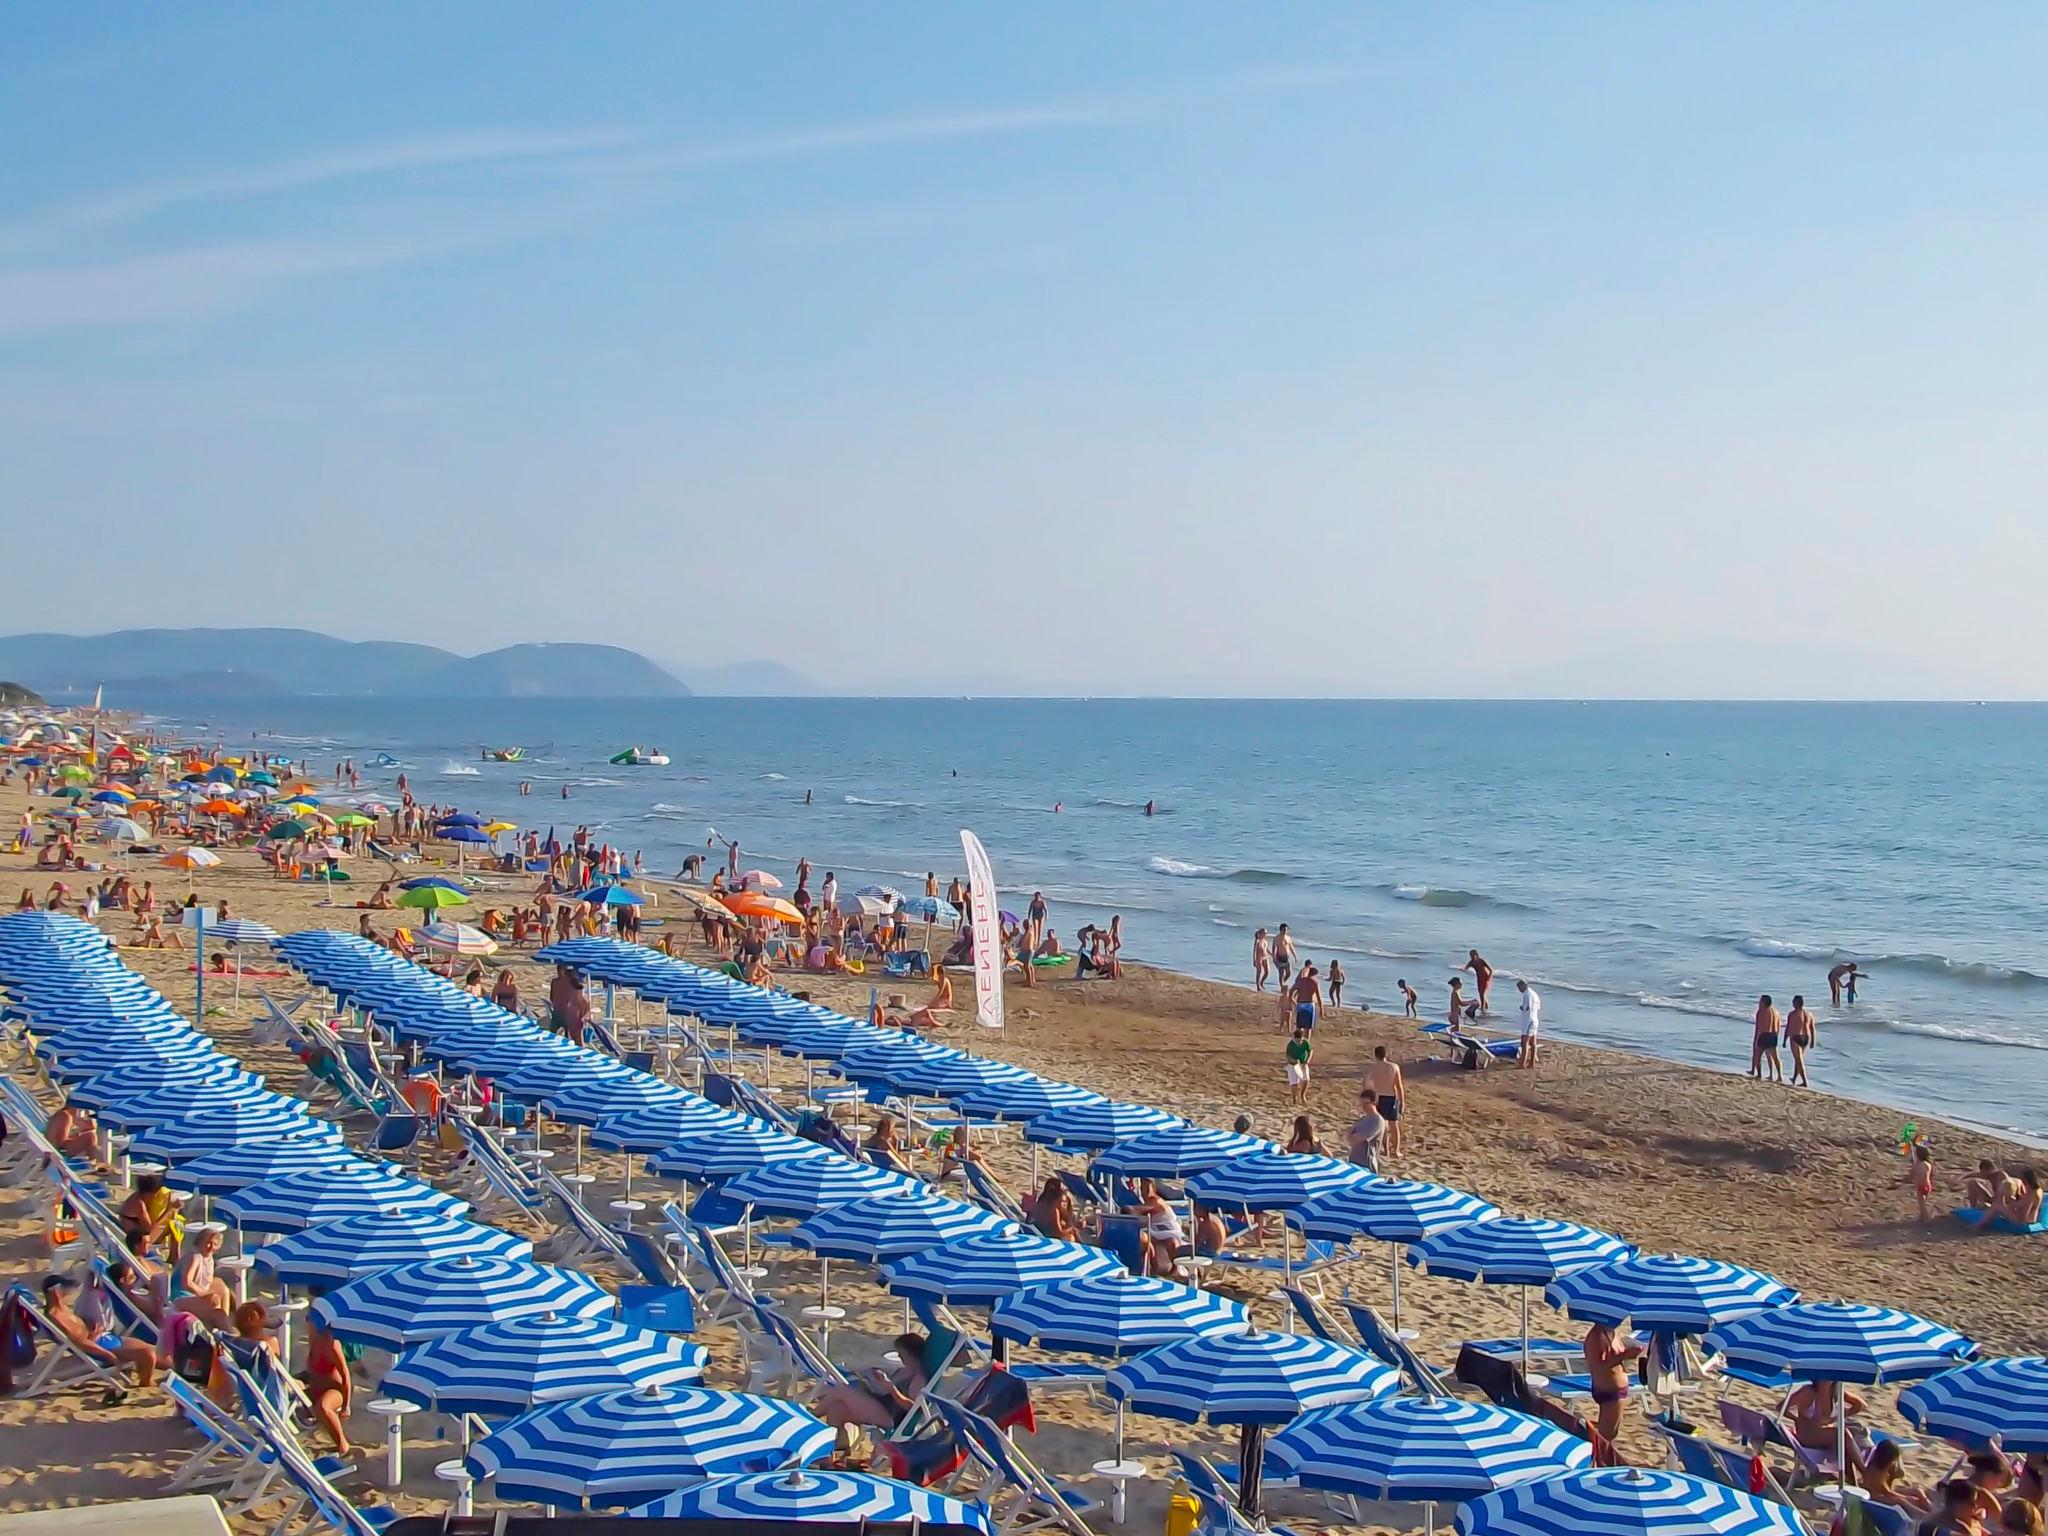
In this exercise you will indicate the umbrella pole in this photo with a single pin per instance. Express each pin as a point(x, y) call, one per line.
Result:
point(1841, 1445)
point(1525, 1332)
point(1286, 1251)
point(1250, 1453)
point(1395, 1249)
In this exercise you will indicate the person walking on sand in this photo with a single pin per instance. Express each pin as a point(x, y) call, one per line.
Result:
point(1283, 955)
point(1304, 996)
point(1300, 1051)
point(1410, 999)
point(1482, 975)
point(1922, 1180)
point(1763, 1049)
point(1389, 1090)
point(1800, 1034)
point(1336, 984)
point(1532, 1020)
point(1262, 960)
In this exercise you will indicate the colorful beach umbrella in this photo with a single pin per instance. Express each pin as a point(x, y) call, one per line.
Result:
point(457, 939)
point(1625, 1501)
point(621, 1448)
point(805, 1496)
point(429, 898)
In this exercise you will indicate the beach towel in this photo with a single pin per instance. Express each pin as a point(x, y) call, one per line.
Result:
point(1984, 1221)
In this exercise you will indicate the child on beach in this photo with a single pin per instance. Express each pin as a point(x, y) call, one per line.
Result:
point(1410, 998)
point(1300, 1049)
point(1922, 1180)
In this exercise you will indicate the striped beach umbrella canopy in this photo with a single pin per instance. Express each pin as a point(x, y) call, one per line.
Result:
point(1274, 1181)
point(227, 1169)
point(575, 1069)
point(1666, 1292)
point(101, 1060)
point(983, 1270)
point(623, 1448)
point(1422, 1449)
point(1090, 1127)
point(889, 1226)
point(721, 1154)
point(1625, 1501)
point(2002, 1400)
point(608, 1098)
point(1390, 1210)
point(390, 1308)
point(291, 1201)
point(195, 1077)
point(1515, 1250)
point(156, 1107)
point(451, 938)
point(812, 1184)
point(509, 1367)
point(1175, 1151)
point(240, 930)
point(831, 1042)
point(656, 1126)
point(208, 1130)
point(1841, 1341)
point(1025, 1099)
point(340, 1250)
point(878, 1055)
point(1252, 1380)
point(1115, 1315)
point(806, 1496)
point(951, 1077)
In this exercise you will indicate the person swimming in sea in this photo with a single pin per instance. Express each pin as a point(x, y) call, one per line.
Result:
point(1148, 807)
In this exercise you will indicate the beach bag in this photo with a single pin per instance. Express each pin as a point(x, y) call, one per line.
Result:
point(192, 1350)
point(20, 1338)
point(1468, 1058)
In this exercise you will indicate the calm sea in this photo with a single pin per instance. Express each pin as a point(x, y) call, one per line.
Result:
point(1651, 867)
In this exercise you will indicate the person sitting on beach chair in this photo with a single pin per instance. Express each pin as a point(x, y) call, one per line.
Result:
point(882, 1398)
point(73, 1131)
point(59, 1294)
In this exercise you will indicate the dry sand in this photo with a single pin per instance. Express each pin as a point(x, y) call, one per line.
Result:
point(1804, 1185)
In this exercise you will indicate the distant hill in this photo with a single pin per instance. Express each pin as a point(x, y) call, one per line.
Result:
point(174, 663)
point(15, 694)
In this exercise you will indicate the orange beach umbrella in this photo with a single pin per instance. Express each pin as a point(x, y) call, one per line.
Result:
point(758, 904)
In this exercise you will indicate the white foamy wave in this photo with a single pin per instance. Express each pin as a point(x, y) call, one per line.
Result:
point(454, 770)
point(1680, 1005)
point(774, 775)
point(1784, 949)
point(887, 805)
point(1373, 951)
point(1162, 865)
point(661, 810)
point(1224, 922)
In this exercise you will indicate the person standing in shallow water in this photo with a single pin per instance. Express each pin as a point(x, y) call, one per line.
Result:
point(1800, 1034)
point(1763, 1049)
point(1262, 960)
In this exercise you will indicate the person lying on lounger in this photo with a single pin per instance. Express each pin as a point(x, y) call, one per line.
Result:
point(59, 1292)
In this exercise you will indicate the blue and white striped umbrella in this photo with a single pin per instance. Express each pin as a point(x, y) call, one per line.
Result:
point(1090, 1127)
point(662, 1125)
point(2005, 1400)
point(507, 1368)
point(1391, 1210)
point(177, 1141)
point(806, 1496)
point(607, 1098)
point(1274, 1181)
point(1666, 1292)
point(390, 1308)
point(1625, 1501)
point(812, 1184)
point(982, 1270)
point(1841, 1341)
point(1025, 1100)
point(1515, 1250)
point(951, 1077)
point(239, 930)
point(1248, 1378)
point(721, 1154)
point(231, 1168)
point(294, 1200)
point(1115, 1315)
point(880, 1059)
point(358, 1245)
point(258, 1106)
point(196, 1079)
point(1175, 1151)
point(1422, 1449)
point(1253, 1380)
point(889, 1226)
point(622, 1448)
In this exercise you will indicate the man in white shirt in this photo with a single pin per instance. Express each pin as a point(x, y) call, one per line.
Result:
point(1532, 1021)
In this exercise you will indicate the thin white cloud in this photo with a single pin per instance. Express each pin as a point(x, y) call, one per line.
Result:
point(128, 205)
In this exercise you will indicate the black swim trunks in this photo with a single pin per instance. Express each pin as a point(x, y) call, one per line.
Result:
point(1767, 1041)
point(1389, 1108)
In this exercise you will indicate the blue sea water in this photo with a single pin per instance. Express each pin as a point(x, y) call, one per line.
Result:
point(1651, 867)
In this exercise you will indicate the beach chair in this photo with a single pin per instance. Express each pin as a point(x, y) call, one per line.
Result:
point(1377, 1337)
point(579, 1238)
point(310, 1490)
point(989, 1193)
point(906, 964)
point(1215, 1491)
point(229, 1457)
point(59, 1364)
point(926, 1451)
point(725, 1293)
point(1019, 1497)
point(488, 1177)
point(1866, 1517)
point(1316, 1317)
point(1730, 1465)
point(1502, 1383)
point(1757, 1430)
point(1545, 1354)
point(778, 1356)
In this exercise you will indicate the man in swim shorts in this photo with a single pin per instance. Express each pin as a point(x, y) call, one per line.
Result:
point(1283, 954)
point(1389, 1090)
point(1305, 994)
point(1764, 1042)
point(1482, 974)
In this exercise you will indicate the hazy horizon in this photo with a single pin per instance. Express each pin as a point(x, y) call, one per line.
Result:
point(1412, 352)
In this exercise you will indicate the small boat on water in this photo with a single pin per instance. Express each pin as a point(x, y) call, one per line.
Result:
point(640, 757)
point(504, 754)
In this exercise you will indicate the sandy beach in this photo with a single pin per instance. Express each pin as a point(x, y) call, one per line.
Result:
point(1806, 1186)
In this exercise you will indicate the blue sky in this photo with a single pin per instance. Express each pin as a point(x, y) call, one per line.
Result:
point(1291, 349)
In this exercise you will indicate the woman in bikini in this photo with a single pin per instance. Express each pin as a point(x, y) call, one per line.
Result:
point(329, 1387)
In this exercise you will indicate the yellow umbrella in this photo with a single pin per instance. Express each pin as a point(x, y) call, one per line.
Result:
point(501, 826)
